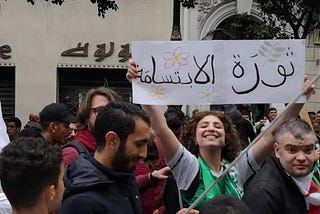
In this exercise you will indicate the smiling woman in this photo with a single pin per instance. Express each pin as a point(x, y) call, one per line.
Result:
point(212, 123)
point(214, 140)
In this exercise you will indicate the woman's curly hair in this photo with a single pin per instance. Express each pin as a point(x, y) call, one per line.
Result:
point(232, 145)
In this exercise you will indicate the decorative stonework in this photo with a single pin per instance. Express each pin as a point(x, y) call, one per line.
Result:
point(176, 33)
point(7, 64)
point(212, 12)
point(204, 6)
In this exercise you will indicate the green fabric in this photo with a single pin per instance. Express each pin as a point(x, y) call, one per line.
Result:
point(315, 180)
point(106, 84)
point(256, 112)
point(229, 185)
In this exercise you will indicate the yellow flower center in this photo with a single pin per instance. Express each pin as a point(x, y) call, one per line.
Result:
point(208, 94)
point(175, 57)
point(157, 92)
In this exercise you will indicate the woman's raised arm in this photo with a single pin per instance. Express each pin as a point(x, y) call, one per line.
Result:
point(168, 141)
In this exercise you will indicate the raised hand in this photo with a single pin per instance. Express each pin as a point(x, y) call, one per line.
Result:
point(132, 71)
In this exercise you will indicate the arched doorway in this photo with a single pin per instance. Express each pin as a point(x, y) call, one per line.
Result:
point(221, 12)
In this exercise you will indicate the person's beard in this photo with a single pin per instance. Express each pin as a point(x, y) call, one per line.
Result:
point(121, 161)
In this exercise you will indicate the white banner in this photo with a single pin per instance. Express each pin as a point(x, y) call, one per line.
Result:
point(218, 72)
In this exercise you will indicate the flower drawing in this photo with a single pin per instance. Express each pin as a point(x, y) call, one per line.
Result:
point(176, 59)
point(207, 93)
point(158, 92)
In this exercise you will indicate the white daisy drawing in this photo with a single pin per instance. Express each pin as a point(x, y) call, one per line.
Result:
point(176, 59)
point(207, 94)
point(158, 92)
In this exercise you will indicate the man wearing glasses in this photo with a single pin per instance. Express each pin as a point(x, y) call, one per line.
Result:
point(95, 100)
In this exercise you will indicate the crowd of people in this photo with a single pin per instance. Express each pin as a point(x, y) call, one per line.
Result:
point(118, 157)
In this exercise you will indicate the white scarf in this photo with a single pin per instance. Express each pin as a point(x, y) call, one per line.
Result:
point(304, 184)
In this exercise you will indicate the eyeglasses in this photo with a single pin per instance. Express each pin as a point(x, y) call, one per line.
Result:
point(96, 110)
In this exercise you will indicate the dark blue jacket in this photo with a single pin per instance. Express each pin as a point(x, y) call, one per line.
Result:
point(92, 188)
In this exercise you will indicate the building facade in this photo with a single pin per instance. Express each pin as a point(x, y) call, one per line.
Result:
point(51, 53)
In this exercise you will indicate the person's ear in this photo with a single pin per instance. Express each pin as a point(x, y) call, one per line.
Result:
point(52, 127)
point(276, 148)
point(112, 140)
point(49, 193)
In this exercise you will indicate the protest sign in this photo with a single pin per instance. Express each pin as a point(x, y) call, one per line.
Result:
point(218, 72)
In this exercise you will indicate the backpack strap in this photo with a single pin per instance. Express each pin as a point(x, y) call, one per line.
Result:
point(77, 145)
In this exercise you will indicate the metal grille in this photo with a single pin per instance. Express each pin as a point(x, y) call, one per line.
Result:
point(73, 83)
point(7, 91)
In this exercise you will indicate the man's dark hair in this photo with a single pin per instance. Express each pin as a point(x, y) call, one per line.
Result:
point(311, 113)
point(224, 204)
point(296, 127)
point(117, 116)
point(175, 118)
point(272, 109)
point(27, 166)
point(152, 151)
point(31, 131)
point(16, 120)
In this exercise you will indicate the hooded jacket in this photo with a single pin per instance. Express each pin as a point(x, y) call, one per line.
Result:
point(92, 188)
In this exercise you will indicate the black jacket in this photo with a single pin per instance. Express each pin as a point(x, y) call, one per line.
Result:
point(92, 188)
point(273, 191)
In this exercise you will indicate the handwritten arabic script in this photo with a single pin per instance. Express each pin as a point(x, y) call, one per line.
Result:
point(218, 72)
